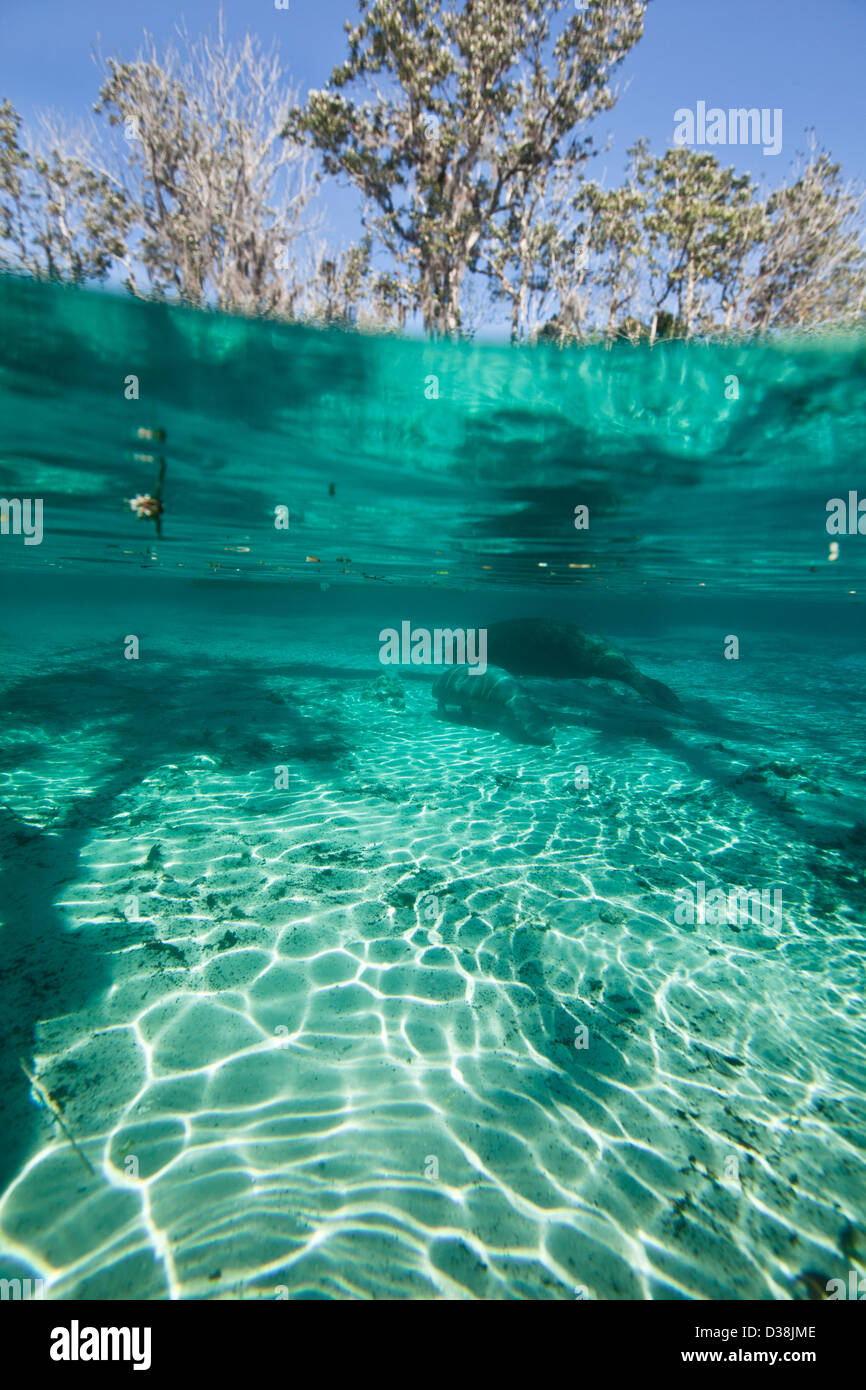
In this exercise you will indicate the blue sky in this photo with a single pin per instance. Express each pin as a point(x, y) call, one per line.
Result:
point(804, 57)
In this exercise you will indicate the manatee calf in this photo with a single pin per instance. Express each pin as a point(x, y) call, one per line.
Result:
point(493, 691)
point(540, 647)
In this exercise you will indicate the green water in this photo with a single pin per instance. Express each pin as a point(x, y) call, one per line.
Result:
point(475, 486)
point(340, 996)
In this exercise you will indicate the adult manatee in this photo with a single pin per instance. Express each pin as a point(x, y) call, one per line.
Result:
point(542, 647)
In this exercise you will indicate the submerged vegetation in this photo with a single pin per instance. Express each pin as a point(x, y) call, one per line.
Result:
point(467, 129)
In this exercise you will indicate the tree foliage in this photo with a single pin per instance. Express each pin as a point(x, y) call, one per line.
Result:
point(701, 221)
point(812, 267)
point(450, 119)
point(60, 218)
point(217, 196)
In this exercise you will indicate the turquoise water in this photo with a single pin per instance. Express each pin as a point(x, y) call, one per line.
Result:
point(337, 996)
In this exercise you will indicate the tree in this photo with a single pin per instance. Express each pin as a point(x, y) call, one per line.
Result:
point(217, 196)
point(458, 113)
point(701, 222)
point(614, 247)
point(812, 270)
point(525, 250)
point(59, 218)
point(337, 284)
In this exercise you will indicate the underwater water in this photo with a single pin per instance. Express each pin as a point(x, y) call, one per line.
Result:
point(311, 990)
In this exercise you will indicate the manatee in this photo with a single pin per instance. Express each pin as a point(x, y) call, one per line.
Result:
point(541, 647)
point(493, 690)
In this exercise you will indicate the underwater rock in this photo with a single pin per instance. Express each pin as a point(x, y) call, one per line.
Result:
point(506, 779)
point(400, 898)
point(388, 691)
point(166, 948)
point(783, 769)
point(323, 853)
point(226, 941)
point(383, 791)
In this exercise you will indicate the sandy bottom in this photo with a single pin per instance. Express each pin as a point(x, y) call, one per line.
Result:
point(422, 1024)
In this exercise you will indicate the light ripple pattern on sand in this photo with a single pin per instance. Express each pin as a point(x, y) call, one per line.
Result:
point(340, 1040)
